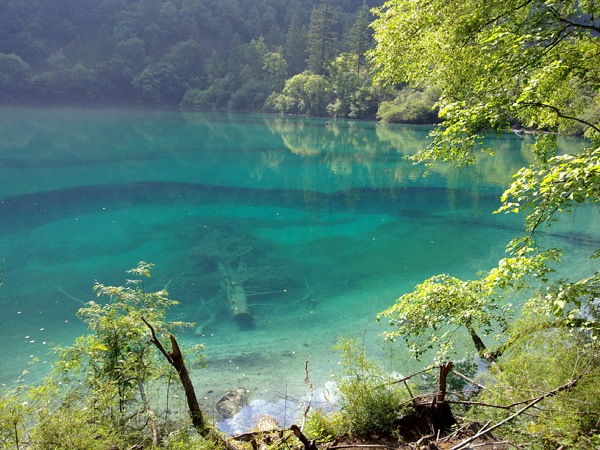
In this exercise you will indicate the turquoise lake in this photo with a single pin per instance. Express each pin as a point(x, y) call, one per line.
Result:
point(325, 220)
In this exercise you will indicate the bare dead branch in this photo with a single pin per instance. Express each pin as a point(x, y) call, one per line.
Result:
point(308, 444)
point(310, 396)
point(484, 430)
point(464, 377)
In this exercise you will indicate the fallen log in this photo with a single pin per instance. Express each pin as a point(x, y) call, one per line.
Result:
point(236, 295)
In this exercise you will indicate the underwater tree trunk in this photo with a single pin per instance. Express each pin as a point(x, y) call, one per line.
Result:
point(236, 295)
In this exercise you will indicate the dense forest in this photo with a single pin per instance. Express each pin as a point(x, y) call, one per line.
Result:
point(299, 57)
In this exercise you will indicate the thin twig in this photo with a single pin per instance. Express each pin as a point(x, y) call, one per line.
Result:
point(70, 296)
point(401, 380)
point(483, 431)
point(359, 446)
point(310, 395)
point(464, 377)
point(490, 443)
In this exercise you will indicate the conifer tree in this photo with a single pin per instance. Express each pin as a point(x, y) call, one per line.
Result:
point(322, 37)
point(295, 46)
point(359, 37)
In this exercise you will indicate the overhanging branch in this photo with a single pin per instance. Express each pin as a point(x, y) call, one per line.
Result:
point(559, 113)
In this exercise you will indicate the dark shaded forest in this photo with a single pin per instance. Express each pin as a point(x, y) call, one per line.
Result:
point(298, 56)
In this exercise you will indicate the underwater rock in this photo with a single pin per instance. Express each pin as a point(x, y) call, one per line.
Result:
point(265, 422)
point(232, 403)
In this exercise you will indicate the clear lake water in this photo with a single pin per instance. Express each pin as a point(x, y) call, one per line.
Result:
point(326, 220)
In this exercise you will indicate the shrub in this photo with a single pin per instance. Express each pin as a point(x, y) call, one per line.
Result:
point(539, 363)
point(369, 403)
point(411, 106)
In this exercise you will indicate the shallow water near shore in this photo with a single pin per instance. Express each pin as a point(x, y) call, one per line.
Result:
point(325, 220)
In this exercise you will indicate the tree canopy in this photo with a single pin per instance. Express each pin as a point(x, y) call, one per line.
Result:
point(500, 63)
point(500, 66)
point(155, 51)
point(504, 66)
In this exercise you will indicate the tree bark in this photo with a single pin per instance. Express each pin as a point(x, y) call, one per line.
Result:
point(479, 345)
point(190, 393)
point(175, 358)
point(444, 371)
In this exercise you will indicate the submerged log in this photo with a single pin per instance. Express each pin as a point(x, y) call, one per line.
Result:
point(236, 295)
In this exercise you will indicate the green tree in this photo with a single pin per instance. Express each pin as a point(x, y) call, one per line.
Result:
point(131, 53)
point(276, 71)
point(255, 55)
point(359, 36)
point(187, 58)
point(159, 83)
point(322, 38)
point(117, 361)
point(411, 106)
point(295, 46)
point(304, 93)
point(345, 81)
point(498, 65)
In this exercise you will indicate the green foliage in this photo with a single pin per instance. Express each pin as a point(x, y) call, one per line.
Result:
point(116, 40)
point(102, 387)
point(276, 71)
point(359, 36)
point(118, 352)
point(304, 93)
point(560, 184)
point(159, 83)
point(496, 64)
point(544, 361)
point(250, 97)
point(71, 426)
point(295, 45)
point(369, 403)
point(321, 37)
point(14, 413)
point(411, 106)
point(504, 64)
point(323, 426)
point(432, 315)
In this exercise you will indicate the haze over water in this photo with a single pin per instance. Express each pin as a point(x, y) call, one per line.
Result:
point(326, 220)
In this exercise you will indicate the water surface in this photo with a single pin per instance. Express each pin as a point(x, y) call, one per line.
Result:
point(327, 222)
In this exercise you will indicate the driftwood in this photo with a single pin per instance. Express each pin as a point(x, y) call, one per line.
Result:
point(308, 444)
point(236, 295)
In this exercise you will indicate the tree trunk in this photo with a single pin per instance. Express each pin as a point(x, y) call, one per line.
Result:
point(444, 371)
point(236, 295)
point(175, 358)
point(190, 393)
point(479, 345)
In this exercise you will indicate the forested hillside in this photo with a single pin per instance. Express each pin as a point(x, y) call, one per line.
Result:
point(197, 53)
